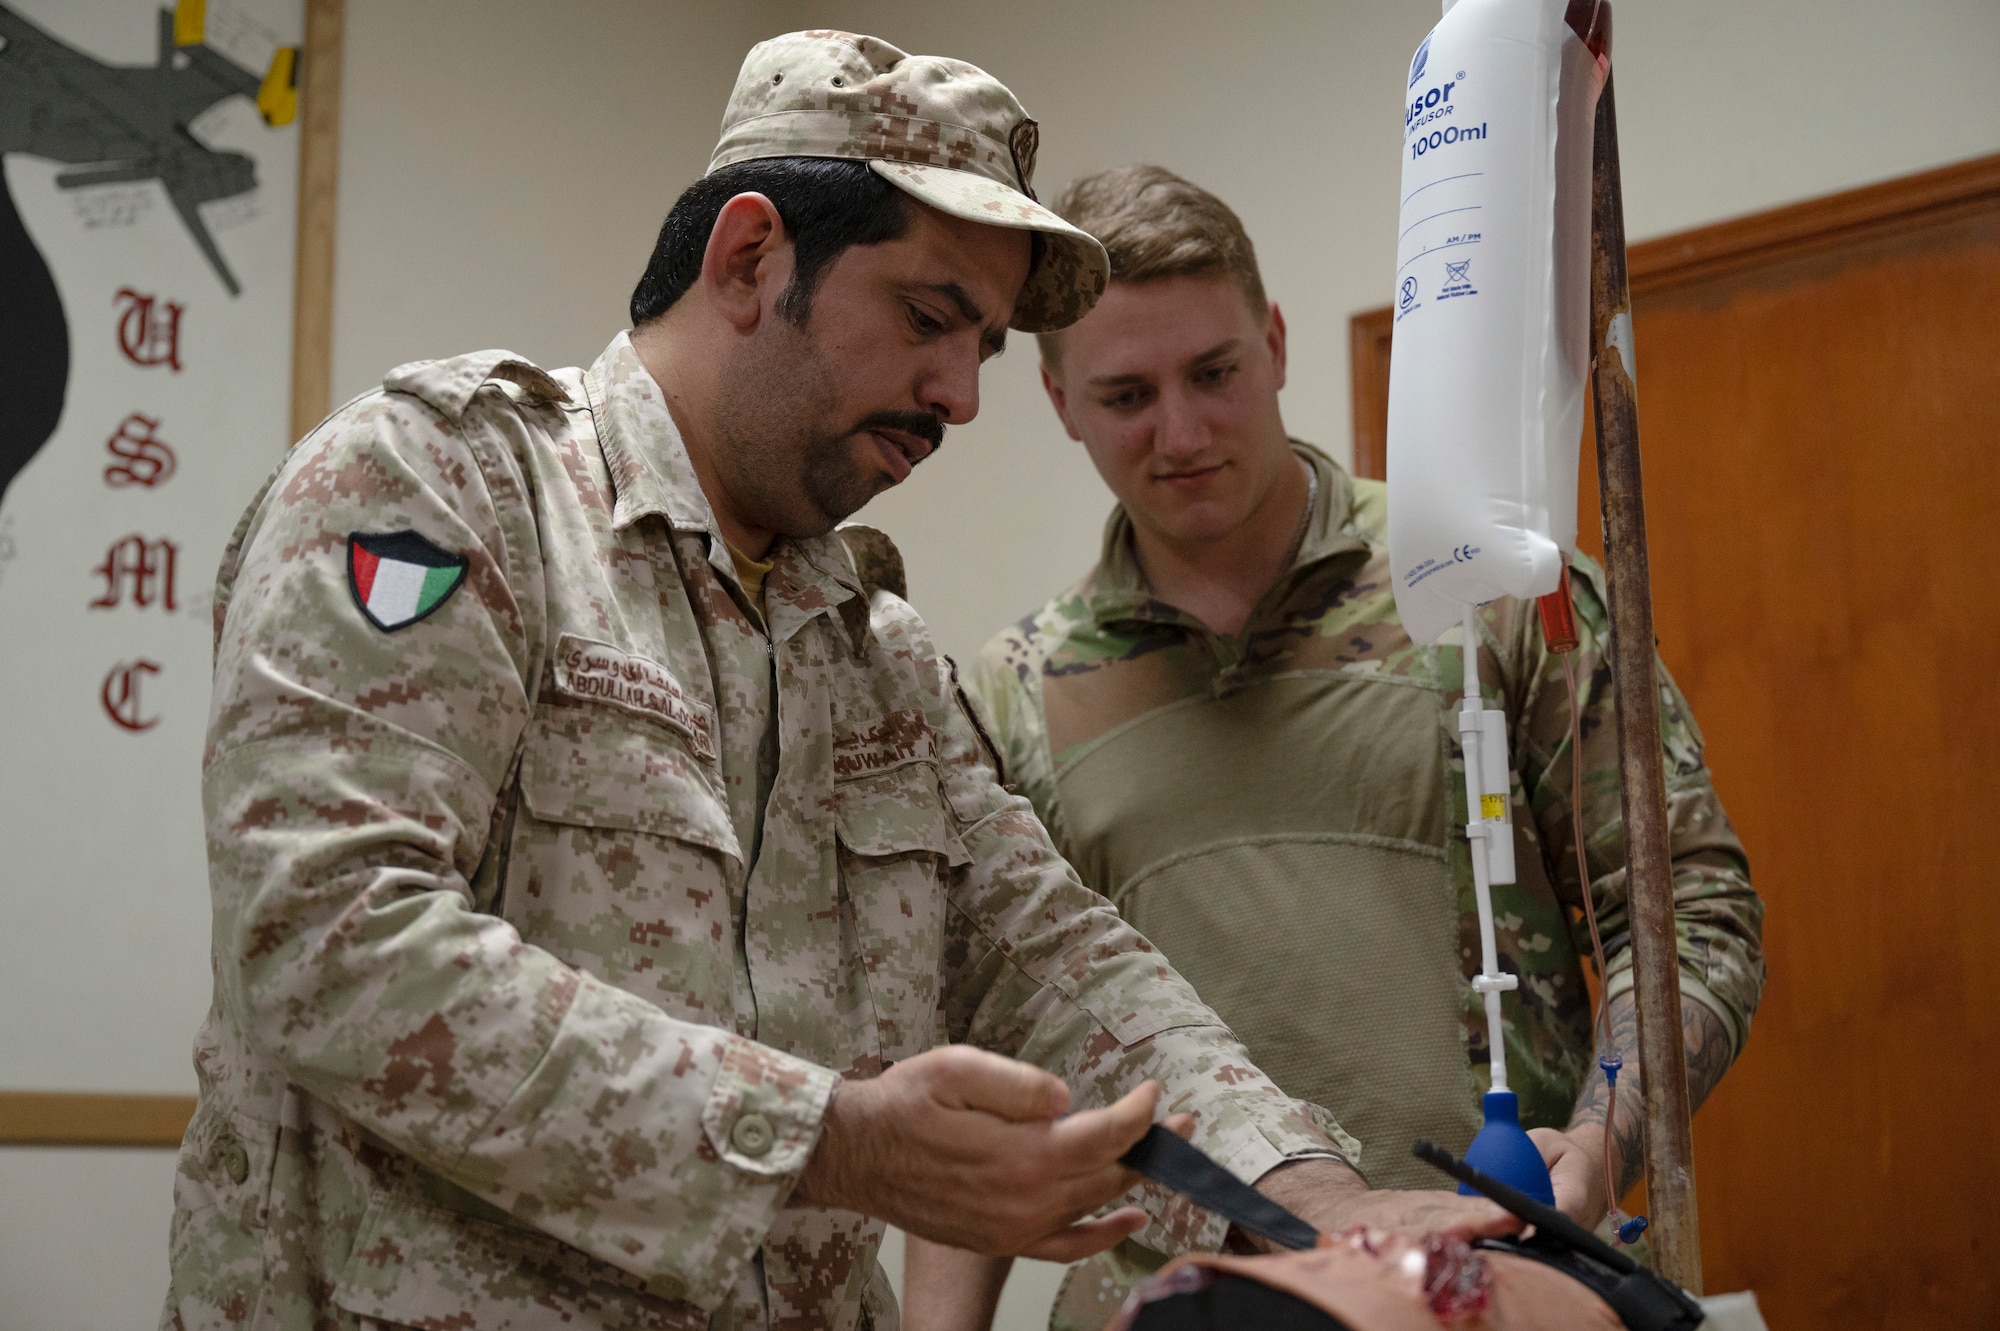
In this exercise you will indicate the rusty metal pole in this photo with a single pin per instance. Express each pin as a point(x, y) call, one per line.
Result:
point(1676, 1230)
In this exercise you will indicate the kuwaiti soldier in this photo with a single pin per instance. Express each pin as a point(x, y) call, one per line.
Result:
point(1226, 729)
point(598, 845)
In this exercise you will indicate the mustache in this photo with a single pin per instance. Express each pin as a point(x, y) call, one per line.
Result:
point(922, 424)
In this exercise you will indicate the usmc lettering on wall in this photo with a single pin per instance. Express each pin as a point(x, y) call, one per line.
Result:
point(139, 572)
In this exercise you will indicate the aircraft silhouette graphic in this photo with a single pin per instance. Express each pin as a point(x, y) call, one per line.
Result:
point(108, 124)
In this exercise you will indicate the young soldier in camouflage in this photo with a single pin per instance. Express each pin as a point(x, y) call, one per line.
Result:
point(598, 844)
point(1225, 728)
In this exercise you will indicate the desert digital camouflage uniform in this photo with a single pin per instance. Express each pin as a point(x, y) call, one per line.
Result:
point(524, 1016)
point(1282, 813)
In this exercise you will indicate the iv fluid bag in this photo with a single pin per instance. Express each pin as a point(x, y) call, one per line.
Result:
point(1492, 308)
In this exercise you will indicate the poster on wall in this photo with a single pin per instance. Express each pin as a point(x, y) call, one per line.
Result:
point(147, 233)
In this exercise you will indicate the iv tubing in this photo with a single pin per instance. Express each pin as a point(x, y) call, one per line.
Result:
point(1596, 940)
point(1490, 982)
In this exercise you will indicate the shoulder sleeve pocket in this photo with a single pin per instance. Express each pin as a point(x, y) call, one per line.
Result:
point(896, 812)
point(596, 767)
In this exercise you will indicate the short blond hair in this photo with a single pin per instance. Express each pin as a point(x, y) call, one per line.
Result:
point(1156, 225)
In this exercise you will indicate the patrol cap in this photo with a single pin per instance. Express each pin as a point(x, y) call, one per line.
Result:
point(943, 131)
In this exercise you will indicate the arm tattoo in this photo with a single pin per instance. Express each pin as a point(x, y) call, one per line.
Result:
point(1708, 1056)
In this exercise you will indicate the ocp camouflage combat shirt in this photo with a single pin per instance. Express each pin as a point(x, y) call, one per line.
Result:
point(1282, 813)
point(515, 1022)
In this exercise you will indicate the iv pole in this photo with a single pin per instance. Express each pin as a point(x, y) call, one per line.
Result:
point(1675, 1234)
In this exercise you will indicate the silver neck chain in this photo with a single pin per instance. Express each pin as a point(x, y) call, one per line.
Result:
point(1305, 518)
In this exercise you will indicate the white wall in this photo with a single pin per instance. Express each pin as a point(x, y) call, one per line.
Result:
point(505, 167)
point(489, 200)
point(83, 1238)
point(1290, 110)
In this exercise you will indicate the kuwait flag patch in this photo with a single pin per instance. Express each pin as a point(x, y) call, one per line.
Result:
point(400, 577)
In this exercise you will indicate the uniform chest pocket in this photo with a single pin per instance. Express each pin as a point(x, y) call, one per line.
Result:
point(898, 845)
point(623, 865)
point(591, 766)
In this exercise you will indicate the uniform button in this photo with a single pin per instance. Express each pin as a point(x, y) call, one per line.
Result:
point(753, 1135)
point(233, 1159)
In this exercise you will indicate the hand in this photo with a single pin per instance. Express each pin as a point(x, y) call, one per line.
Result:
point(949, 1289)
point(970, 1149)
point(1333, 1198)
point(1576, 1167)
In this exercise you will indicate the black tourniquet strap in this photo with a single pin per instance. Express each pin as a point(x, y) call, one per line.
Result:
point(1166, 1159)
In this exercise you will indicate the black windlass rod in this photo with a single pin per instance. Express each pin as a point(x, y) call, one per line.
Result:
point(1644, 1300)
point(1544, 1218)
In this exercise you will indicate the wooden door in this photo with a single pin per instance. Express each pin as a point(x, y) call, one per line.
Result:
point(1819, 406)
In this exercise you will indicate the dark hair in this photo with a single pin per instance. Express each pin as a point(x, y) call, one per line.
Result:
point(826, 204)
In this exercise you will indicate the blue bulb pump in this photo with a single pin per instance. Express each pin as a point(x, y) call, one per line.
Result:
point(1502, 1150)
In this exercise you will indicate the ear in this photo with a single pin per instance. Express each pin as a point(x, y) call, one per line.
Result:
point(1059, 399)
point(748, 260)
point(1274, 342)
